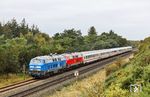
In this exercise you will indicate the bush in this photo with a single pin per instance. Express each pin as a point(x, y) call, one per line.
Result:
point(115, 91)
point(111, 68)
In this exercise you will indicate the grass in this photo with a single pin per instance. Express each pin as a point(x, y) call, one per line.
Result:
point(11, 79)
point(76, 89)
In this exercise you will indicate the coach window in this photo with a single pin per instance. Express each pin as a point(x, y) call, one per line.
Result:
point(71, 57)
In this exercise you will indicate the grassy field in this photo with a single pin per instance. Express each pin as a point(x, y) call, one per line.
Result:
point(79, 87)
point(92, 86)
point(11, 79)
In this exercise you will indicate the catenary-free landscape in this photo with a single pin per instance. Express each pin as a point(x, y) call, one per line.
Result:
point(78, 48)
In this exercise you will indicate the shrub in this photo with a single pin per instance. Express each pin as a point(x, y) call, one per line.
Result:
point(111, 68)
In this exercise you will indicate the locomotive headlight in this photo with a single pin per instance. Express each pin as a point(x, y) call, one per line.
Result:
point(35, 66)
point(31, 66)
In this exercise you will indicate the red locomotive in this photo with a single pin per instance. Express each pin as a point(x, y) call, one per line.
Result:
point(73, 59)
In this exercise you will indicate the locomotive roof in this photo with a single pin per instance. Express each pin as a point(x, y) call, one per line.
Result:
point(104, 50)
point(48, 57)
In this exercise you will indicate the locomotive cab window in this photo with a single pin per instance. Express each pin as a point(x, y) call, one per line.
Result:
point(36, 61)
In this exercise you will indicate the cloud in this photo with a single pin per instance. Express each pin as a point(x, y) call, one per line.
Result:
point(129, 18)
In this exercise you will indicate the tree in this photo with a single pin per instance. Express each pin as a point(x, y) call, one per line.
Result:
point(57, 36)
point(2, 40)
point(70, 39)
point(23, 27)
point(92, 31)
point(1, 29)
point(7, 30)
point(14, 28)
point(91, 39)
point(29, 36)
point(34, 29)
point(39, 40)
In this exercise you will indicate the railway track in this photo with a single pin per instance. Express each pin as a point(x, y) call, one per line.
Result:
point(16, 85)
point(56, 81)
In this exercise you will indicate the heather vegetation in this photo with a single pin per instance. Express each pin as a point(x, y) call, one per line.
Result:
point(135, 72)
point(19, 43)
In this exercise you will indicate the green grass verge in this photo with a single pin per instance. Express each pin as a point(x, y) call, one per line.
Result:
point(11, 79)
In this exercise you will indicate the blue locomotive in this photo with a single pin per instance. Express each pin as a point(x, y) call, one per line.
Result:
point(46, 65)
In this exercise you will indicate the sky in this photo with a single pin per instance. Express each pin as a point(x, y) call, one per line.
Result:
point(128, 18)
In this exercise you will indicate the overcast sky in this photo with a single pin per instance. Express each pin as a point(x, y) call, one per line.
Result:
point(129, 18)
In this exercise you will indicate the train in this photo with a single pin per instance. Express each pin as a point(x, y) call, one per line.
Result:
point(42, 66)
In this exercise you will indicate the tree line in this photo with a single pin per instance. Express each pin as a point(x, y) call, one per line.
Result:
point(19, 43)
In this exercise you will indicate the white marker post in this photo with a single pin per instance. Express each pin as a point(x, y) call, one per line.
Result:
point(76, 74)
